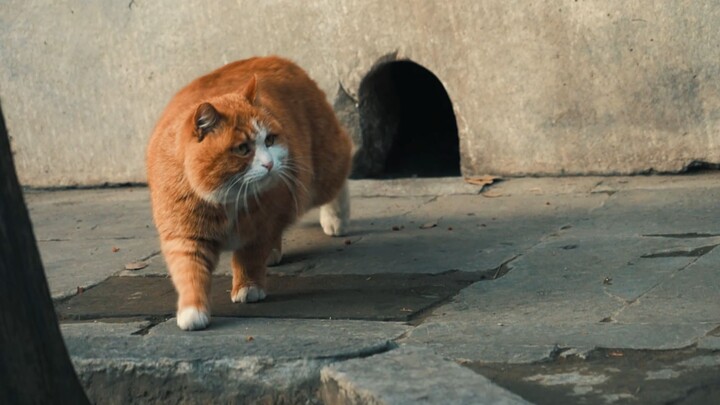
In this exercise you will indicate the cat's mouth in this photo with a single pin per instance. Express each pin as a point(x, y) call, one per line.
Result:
point(241, 191)
point(267, 179)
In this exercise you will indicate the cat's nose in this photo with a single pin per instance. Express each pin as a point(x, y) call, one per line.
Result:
point(268, 165)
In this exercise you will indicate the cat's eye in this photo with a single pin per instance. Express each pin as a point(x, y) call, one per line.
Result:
point(270, 140)
point(242, 149)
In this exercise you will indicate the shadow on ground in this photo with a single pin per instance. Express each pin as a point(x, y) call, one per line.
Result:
point(377, 297)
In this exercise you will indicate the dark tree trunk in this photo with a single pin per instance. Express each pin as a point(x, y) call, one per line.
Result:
point(34, 365)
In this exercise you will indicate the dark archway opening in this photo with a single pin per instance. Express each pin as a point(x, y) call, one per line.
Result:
point(407, 124)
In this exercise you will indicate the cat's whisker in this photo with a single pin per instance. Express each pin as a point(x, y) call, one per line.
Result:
point(297, 165)
point(292, 192)
point(297, 182)
point(243, 186)
point(237, 200)
point(255, 195)
point(291, 162)
point(245, 200)
point(229, 188)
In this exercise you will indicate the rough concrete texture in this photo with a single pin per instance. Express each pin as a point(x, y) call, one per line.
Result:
point(83, 239)
point(571, 265)
point(236, 361)
point(544, 88)
point(625, 268)
point(408, 375)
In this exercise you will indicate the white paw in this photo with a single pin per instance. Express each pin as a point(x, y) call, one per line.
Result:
point(192, 318)
point(249, 294)
point(274, 258)
point(331, 223)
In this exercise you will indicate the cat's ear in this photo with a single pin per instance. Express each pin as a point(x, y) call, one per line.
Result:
point(206, 119)
point(250, 90)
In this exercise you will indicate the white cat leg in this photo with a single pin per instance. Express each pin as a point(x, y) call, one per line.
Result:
point(192, 318)
point(335, 215)
point(249, 294)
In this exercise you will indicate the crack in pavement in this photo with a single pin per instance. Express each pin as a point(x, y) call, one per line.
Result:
point(504, 267)
point(103, 238)
point(424, 203)
point(363, 353)
point(629, 303)
point(621, 300)
point(154, 253)
point(154, 321)
point(697, 252)
point(420, 316)
point(689, 235)
point(608, 197)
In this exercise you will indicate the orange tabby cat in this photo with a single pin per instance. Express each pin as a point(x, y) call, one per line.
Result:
point(237, 156)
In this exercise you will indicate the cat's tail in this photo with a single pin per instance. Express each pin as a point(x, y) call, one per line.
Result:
point(335, 215)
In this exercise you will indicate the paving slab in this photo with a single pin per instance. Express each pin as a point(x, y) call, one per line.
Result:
point(571, 274)
point(235, 361)
point(624, 276)
point(85, 236)
point(379, 297)
point(408, 375)
point(686, 376)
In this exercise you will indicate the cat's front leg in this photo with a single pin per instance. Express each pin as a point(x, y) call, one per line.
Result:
point(190, 265)
point(249, 273)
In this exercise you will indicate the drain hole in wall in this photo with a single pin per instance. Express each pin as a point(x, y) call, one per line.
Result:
point(407, 125)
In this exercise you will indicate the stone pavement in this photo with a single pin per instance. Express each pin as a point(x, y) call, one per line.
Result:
point(545, 290)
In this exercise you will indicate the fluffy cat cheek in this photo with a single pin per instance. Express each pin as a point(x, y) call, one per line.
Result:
point(206, 187)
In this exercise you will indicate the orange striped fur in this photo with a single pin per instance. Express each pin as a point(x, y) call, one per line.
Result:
point(237, 156)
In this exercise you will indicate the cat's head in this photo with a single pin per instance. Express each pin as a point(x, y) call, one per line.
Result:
point(234, 149)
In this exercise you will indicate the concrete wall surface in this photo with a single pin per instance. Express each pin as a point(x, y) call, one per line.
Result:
point(552, 87)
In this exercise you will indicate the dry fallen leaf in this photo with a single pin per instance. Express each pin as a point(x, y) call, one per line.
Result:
point(428, 225)
point(481, 180)
point(135, 266)
point(492, 194)
point(115, 249)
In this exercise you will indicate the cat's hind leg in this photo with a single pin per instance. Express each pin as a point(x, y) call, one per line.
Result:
point(275, 252)
point(335, 215)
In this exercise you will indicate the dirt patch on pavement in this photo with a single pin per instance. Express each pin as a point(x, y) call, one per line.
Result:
point(614, 376)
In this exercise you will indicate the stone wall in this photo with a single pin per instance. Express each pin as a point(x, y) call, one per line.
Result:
point(542, 88)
